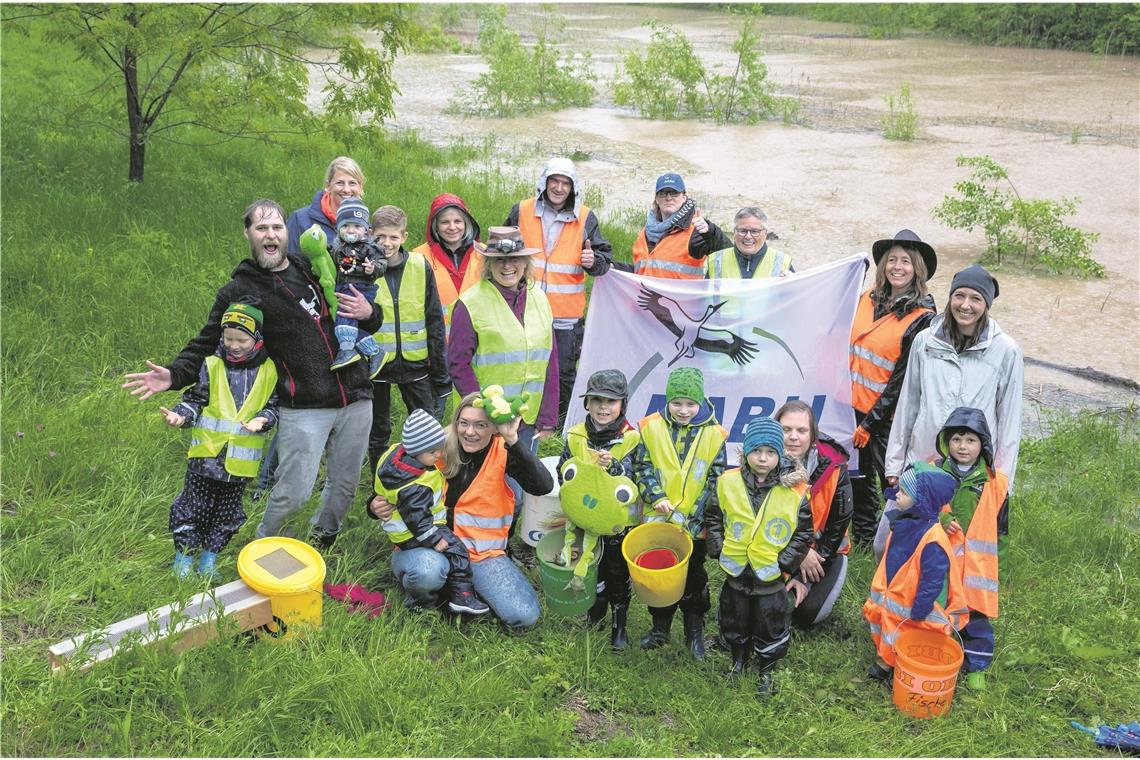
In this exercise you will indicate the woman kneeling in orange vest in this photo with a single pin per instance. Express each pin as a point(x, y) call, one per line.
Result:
point(480, 508)
point(914, 581)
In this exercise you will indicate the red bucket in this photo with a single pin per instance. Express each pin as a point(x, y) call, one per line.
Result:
point(657, 559)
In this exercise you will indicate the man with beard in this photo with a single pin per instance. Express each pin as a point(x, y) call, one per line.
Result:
point(319, 410)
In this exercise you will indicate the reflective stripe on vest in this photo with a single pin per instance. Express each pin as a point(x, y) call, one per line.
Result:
point(875, 347)
point(724, 265)
point(220, 422)
point(670, 258)
point(433, 479)
point(978, 552)
point(756, 538)
point(444, 285)
point(683, 483)
point(483, 514)
point(559, 272)
point(888, 606)
point(510, 354)
point(405, 314)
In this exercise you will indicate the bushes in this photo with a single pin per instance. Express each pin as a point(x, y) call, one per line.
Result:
point(901, 120)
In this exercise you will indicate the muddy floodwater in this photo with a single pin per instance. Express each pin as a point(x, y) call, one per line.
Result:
point(1062, 124)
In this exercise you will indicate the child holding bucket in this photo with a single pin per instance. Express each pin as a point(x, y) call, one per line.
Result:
point(977, 523)
point(676, 467)
point(407, 477)
point(759, 527)
point(608, 437)
point(914, 583)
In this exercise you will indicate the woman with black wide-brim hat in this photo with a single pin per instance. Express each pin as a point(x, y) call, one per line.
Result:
point(890, 314)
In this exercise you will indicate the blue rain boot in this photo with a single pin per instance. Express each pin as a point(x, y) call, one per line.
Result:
point(367, 346)
point(346, 340)
point(207, 565)
point(183, 564)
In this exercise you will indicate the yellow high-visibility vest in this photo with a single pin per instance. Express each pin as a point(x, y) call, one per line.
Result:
point(220, 422)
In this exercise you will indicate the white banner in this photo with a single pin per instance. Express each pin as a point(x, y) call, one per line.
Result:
point(758, 342)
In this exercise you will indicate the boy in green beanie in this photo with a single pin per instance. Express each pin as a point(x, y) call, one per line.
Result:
point(676, 467)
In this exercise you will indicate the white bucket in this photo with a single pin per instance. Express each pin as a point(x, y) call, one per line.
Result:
point(538, 510)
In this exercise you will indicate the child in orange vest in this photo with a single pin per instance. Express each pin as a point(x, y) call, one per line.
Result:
point(914, 580)
point(977, 523)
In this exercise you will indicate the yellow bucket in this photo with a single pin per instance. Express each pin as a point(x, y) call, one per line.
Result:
point(291, 574)
point(666, 585)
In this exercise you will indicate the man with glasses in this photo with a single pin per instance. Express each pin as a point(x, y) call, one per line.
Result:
point(749, 255)
point(676, 238)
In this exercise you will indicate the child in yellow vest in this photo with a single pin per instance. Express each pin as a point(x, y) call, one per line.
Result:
point(408, 479)
point(232, 406)
point(760, 527)
point(977, 522)
point(676, 467)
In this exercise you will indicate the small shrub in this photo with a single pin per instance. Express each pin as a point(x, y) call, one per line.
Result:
point(901, 120)
point(1075, 136)
point(1034, 229)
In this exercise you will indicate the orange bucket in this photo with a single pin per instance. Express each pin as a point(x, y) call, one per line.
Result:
point(926, 672)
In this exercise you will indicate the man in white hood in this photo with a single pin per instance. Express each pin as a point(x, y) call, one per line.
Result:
point(558, 222)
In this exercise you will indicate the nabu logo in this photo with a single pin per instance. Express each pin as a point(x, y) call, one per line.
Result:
point(777, 531)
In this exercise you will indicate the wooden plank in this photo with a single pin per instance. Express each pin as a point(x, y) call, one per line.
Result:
point(186, 624)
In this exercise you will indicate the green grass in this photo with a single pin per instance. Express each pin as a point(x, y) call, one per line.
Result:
point(98, 275)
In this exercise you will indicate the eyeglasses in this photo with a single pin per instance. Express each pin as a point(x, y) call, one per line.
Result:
point(749, 233)
point(505, 246)
point(667, 193)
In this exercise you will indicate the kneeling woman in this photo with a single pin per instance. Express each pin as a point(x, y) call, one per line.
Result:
point(824, 568)
point(480, 507)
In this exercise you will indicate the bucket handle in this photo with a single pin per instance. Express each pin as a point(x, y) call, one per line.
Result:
point(904, 621)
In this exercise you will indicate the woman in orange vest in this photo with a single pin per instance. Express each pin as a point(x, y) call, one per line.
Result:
point(977, 523)
point(817, 583)
point(450, 233)
point(890, 314)
point(676, 238)
point(478, 455)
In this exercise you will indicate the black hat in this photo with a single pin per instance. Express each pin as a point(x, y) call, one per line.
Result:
point(907, 239)
point(607, 383)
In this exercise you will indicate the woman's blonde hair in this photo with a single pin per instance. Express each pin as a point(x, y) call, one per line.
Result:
point(349, 167)
point(452, 452)
point(528, 271)
point(882, 288)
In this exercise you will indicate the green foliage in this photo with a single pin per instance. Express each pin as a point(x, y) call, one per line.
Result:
point(434, 26)
point(671, 82)
point(901, 120)
point(1032, 229)
point(525, 79)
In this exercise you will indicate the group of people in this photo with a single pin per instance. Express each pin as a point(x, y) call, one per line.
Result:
point(314, 350)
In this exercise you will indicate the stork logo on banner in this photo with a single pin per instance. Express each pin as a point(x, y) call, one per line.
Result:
point(692, 334)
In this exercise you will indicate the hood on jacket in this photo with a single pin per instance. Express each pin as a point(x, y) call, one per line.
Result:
point(792, 472)
point(441, 203)
point(702, 417)
point(972, 419)
point(937, 329)
point(565, 167)
point(935, 488)
point(905, 306)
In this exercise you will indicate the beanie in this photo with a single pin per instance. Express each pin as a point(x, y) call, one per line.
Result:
point(975, 277)
point(908, 481)
point(352, 210)
point(763, 431)
point(244, 317)
point(422, 432)
point(685, 382)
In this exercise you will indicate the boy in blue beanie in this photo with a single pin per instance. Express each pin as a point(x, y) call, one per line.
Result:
point(914, 582)
point(759, 526)
point(359, 262)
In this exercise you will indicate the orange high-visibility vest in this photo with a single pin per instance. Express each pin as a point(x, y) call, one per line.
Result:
point(670, 258)
point(977, 551)
point(448, 295)
point(482, 516)
point(889, 605)
point(821, 494)
point(558, 272)
point(875, 347)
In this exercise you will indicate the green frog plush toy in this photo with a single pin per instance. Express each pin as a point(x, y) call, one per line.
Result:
point(599, 503)
point(314, 244)
point(500, 408)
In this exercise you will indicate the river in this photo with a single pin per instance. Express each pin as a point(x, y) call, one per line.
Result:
point(834, 186)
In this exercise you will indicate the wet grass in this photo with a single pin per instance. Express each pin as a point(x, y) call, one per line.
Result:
point(98, 275)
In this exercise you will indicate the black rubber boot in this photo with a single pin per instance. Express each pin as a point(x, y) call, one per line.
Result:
point(739, 658)
point(695, 634)
point(597, 613)
point(618, 639)
point(659, 633)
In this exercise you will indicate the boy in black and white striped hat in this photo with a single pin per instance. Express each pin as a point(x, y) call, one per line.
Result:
point(408, 478)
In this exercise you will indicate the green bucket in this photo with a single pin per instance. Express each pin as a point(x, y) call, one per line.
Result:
point(554, 577)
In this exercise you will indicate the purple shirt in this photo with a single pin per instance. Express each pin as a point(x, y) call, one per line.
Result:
point(463, 341)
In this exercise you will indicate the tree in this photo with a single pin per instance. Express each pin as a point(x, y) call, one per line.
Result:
point(183, 71)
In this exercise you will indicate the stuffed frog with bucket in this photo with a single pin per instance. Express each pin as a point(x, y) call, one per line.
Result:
point(598, 503)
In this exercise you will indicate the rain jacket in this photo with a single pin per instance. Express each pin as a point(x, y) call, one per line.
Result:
point(988, 376)
point(304, 218)
point(827, 455)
